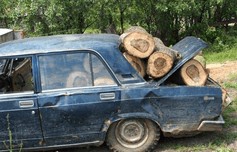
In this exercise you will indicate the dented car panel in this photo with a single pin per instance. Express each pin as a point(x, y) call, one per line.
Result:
point(175, 108)
point(79, 85)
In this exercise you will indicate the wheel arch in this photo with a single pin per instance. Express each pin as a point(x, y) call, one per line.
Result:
point(108, 122)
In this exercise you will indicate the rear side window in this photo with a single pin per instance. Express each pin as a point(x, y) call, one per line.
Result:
point(72, 70)
point(65, 71)
point(100, 73)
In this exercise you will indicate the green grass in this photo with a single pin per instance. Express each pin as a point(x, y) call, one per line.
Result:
point(221, 141)
point(220, 57)
point(231, 109)
point(230, 85)
point(223, 48)
point(232, 76)
point(218, 144)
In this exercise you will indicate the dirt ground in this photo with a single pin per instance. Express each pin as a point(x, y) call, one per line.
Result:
point(221, 73)
point(225, 72)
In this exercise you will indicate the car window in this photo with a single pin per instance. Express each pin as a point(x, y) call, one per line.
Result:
point(17, 76)
point(100, 73)
point(60, 71)
point(2, 63)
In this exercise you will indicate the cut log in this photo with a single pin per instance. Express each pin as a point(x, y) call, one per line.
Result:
point(121, 45)
point(160, 45)
point(158, 42)
point(160, 62)
point(136, 28)
point(193, 73)
point(137, 63)
point(138, 42)
point(224, 95)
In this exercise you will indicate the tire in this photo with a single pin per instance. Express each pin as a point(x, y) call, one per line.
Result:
point(133, 135)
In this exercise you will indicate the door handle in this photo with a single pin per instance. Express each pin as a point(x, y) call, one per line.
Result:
point(26, 104)
point(107, 96)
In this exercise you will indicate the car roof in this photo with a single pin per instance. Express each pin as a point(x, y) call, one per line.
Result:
point(57, 43)
point(105, 44)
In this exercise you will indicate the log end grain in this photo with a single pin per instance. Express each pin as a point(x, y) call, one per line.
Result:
point(159, 63)
point(139, 44)
point(193, 73)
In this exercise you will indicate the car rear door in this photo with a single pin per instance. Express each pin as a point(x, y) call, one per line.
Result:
point(19, 114)
point(79, 93)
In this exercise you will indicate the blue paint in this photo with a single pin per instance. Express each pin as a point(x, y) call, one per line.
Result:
point(79, 116)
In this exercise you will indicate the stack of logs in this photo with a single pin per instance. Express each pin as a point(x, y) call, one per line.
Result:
point(152, 59)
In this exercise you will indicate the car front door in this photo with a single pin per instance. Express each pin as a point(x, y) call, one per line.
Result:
point(19, 115)
point(79, 93)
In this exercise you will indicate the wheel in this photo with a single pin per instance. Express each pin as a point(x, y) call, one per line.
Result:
point(133, 135)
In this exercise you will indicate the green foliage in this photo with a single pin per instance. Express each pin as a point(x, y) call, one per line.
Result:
point(9, 148)
point(170, 20)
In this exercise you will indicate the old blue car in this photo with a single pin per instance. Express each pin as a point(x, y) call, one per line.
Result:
point(79, 90)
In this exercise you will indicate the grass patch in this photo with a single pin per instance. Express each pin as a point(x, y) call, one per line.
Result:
point(231, 109)
point(220, 57)
point(232, 77)
point(230, 85)
point(222, 45)
point(219, 144)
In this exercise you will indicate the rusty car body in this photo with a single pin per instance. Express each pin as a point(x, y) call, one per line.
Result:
point(79, 90)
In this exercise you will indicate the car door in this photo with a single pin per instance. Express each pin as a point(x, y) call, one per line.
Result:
point(19, 114)
point(79, 93)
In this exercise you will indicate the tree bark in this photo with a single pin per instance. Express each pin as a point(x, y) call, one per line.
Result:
point(160, 45)
point(137, 42)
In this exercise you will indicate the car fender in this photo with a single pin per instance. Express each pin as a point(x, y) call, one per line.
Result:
point(108, 122)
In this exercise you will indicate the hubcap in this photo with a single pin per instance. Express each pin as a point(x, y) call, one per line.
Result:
point(131, 133)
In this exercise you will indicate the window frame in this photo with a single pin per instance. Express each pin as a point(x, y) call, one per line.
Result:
point(34, 73)
point(90, 52)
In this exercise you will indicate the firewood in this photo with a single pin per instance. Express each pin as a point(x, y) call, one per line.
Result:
point(193, 73)
point(160, 62)
point(160, 45)
point(138, 42)
point(137, 63)
point(224, 95)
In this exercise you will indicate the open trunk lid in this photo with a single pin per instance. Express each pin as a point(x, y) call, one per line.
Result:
point(188, 48)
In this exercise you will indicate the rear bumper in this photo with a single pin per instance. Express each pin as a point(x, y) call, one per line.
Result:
point(212, 125)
